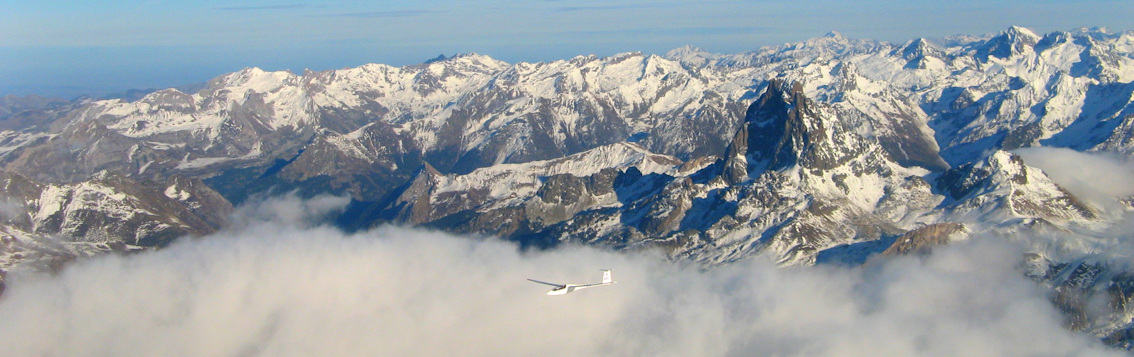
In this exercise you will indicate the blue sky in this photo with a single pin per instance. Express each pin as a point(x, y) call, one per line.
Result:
point(65, 48)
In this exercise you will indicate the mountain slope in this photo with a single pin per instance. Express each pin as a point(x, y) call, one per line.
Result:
point(830, 150)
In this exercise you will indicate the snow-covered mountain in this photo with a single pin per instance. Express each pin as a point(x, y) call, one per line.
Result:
point(828, 150)
point(44, 225)
point(926, 103)
point(908, 110)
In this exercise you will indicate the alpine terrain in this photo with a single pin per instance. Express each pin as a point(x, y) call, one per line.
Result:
point(827, 151)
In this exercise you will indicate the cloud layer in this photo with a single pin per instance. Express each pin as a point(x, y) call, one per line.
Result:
point(1099, 177)
point(10, 209)
point(275, 288)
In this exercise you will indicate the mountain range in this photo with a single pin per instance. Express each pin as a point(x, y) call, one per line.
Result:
point(827, 151)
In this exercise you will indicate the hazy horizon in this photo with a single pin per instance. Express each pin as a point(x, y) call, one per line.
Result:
point(105, 47)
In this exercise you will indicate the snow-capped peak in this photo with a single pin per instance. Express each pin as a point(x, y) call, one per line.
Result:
point(690, 55)
point(1021, 33)
point(685, 51)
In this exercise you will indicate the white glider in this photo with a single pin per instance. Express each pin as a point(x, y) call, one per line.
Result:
point(561, 289)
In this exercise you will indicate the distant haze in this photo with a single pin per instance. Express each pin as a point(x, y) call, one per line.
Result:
point(98, 47)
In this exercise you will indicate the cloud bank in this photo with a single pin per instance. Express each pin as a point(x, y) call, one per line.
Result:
point(1098, 177)
point(10, 209)
point(275, 288)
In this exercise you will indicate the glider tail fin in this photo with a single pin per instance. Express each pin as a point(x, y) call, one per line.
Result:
point(606, 279)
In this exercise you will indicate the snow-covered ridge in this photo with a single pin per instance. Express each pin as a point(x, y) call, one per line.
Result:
point(960, 94)
point(1003, 188)
point(520, 180)
point(866, 141)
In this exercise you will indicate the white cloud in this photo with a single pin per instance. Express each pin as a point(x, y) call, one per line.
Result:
point(288, 209)
point(10, 209)
point(1097, 177)
point(279, 289)
point(1100, 179)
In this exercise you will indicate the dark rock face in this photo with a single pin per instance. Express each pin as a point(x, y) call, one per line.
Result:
point(782, 130)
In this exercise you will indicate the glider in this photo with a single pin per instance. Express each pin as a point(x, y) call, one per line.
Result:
point(561, 289)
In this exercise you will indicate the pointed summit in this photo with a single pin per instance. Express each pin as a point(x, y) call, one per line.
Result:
point(1002, 186)
point(920, 48)
point(439, 58)
point(918, 53)
point(1015, 40)
point(780, 130)
point(1053, 39)
point(1021, 33)
point(413, 201)
point(781, 125)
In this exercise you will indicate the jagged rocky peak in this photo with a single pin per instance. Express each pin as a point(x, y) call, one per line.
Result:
point(916, 52)
point(1014, 41)
point(1003, 187)
point(759, 143)
point(427, 171)
point(1121, 139)
point(412, 203)
point(783, 129)
point(1018, 37)
point(1000, 167)
point(1021, 34)
point(1054, 39)
point(439, 58)
point(624, 56)
point(917, 48)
